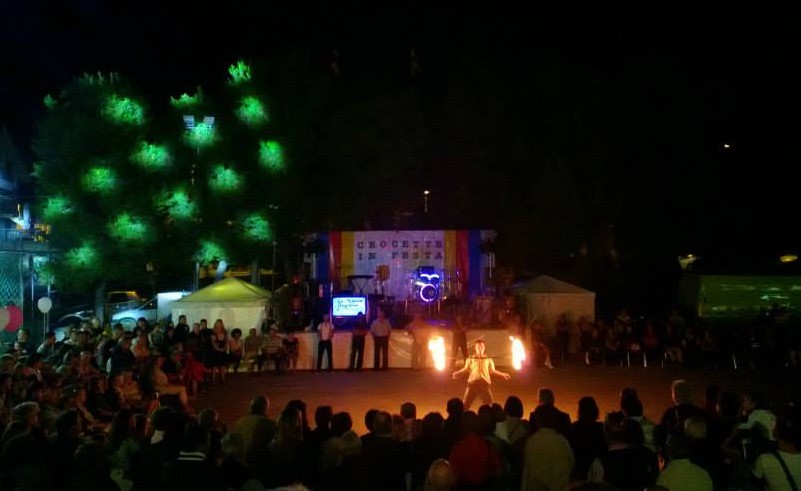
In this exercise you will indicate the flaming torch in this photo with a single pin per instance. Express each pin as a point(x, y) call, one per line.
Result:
point(518, 353)
point(436, 345)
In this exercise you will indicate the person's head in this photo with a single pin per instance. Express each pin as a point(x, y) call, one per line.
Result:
point(368, 419)
point(382, 423)
point(208, 417)
point(513, 407)
point(300, 406)
point(752, 400)
point(196, 438)
point(695, 429)
point(455, 407)
point(711, 395)
point(27, 412)
point(545, 397)
point(50, 338)
point(681, 392)
point(408, 410)
point(728, 406)
point(196, 327)
point(124, 343)
point(628, 393)
point(252, 332)
point(432, 425)
point(326, 317)
point(440, 477)
point(68, 424)
point(632, 408)
point(341, 423)
point(22, 336)
point(181, 319)
point(486, 420)
point(290, 425)
point(204, 324)
point(117, 331)
point(259, 405)
point(322, 417)
point(236, 333)
point(498, 412)
point(588, 409)
point(162, 419)
point(480, 347)
point(219, 326)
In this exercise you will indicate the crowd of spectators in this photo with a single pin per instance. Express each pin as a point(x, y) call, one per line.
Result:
point(92, 412)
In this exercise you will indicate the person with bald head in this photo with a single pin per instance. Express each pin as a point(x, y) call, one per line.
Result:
point(257, 431)
point(441, 476)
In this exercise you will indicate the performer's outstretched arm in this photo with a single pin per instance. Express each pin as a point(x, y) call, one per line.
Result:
point(460, 371)
point(492, 370)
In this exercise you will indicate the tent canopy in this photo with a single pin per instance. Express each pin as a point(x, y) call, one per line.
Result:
point(237, 303)
point(546, 298)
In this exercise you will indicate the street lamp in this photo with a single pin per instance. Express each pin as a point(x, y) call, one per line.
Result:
point(426, 194)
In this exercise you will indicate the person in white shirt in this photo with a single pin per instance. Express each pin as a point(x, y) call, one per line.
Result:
point(758, 419)
point(781, 470)
point(381, 330)
point(325, 344)
point(681, 474)
point(480, 368)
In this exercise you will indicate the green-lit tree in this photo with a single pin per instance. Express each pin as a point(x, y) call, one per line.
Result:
point(131, 196)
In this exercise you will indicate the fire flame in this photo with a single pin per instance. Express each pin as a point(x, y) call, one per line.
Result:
point(436, 345)
point(518, 353)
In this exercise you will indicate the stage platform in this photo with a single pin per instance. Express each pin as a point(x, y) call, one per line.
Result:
point(400, 345)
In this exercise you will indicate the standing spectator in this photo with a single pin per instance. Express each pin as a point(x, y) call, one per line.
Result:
point(219, 351)
point(563, 328)
point(357, 343)
point(417, 330)
point(381, 329)
point(325, 331)
point(181, 331)
point(291, 348)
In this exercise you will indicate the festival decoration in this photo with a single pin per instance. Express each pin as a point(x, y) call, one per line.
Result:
point(100, 179)
point(271, 155)
point(124, 110)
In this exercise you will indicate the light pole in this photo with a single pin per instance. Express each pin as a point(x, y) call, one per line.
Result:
point(426, 194)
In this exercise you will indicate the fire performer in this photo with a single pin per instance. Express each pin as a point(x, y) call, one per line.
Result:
point(480, 367)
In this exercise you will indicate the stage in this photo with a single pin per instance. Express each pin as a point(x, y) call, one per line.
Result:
point(356, 392)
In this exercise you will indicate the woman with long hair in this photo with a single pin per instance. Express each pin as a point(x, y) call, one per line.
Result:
point(219, 351)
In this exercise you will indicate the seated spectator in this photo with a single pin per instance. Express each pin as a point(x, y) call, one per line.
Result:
point(235, 471)
point(193, 471)
point(322, 425)
point(632, 409)
point(384, 459)
point(122, 358)
point(453, 422)
point(549, 459)
point(235, 349)
point(273, 349)
point(781, 470)
point(257, 431)
point(514, 428)
point(440, 476)
point(411, 425)
point(627, 463)
point(681, 473)
point(475, 461)
point(288, 459)
point(673, 418)
point(342, 428)
point(252, 351)
point(546, 405)
point(122, 445)
point(759, 419)
point(48, 346)
point(586, 437)
point(162, 384)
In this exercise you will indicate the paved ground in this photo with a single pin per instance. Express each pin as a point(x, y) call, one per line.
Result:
point(358, 392)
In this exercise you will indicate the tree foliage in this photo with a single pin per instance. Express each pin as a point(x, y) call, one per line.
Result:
point(132, 192)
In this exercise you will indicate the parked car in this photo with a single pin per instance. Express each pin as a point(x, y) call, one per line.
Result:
point(128, 317)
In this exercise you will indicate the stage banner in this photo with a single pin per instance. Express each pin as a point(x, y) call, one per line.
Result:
point(402, 251)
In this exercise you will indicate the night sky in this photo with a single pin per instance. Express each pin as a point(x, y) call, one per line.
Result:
point(556, 131)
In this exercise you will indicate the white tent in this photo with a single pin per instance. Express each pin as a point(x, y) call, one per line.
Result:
point(545, 298)
point(237, 303)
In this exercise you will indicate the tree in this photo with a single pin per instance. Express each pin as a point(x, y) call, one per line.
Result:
point(131, 193)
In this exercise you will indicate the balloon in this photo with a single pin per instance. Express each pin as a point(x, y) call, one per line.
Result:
point(5, 316)
point(14, 318)
point(44, 304)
